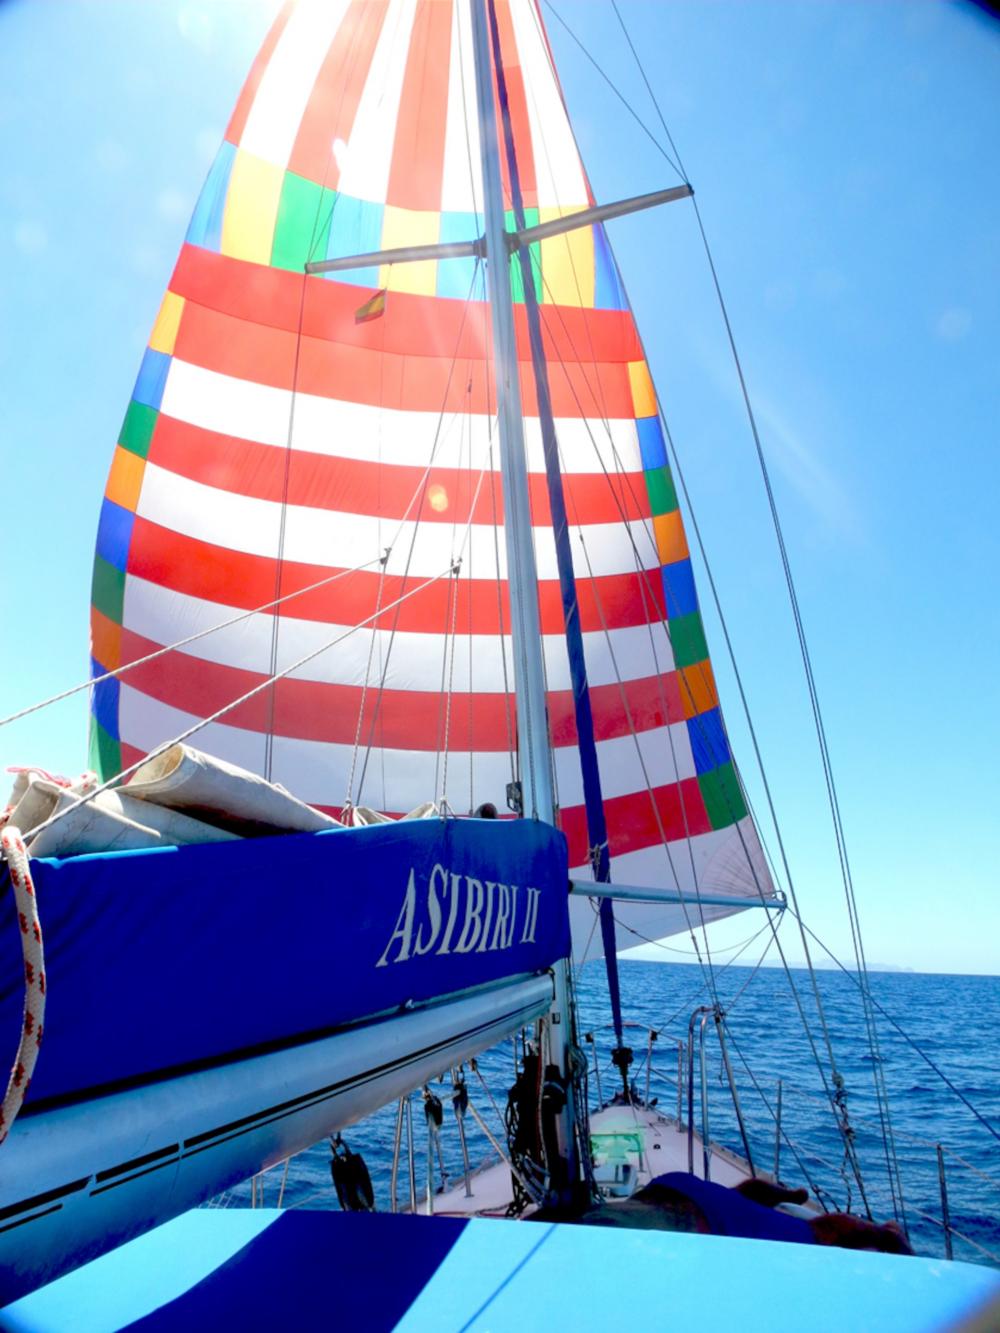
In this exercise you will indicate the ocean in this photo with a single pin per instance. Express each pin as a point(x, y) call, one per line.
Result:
point(955, 1020)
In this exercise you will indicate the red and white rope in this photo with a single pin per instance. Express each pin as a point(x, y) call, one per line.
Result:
point(16, 855)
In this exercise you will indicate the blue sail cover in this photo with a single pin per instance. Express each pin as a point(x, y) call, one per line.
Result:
point(217, 1268)
point(176, 958)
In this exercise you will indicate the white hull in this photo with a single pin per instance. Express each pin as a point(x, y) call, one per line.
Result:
point(79, 1180)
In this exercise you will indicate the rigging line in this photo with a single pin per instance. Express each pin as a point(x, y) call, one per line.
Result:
point(343, 84)
point(597, 833)
point(929, 1217)
point(685, 1005)
point(449, 660)
point(279, 564)
point(383, 561)
point(642, 570)
point(707, 740)
point(633, 113)
point(417, 499)
point(600, 403)
point(645, 774)
point(364, 689)
point(318, 231)
point(550, 748)
point(470, 711)
point(182, 643)
point(661, 691)
point(772, 865)
point(466, 543)
point(280, 556)
point(269, 739)
point(598, 399)
point(376, 636)
point(905, 1035)
point(584, 960)
point(460, 11)
point(686, 685)
point(378, 496)
point(992, 1181)
point(686, 681)
point(511, 748)
point(441, 701)
point(852, 911)
point(649, 90)
point(730, 651)
point(86, 798)
point(688, 953)
point(422, 490)
point(666, 715)
point(820, 1194)
point(643, 573)
point(566, 239)
point(451, 610)
point(731, 1004)
point(699, 723)
point(596, 393)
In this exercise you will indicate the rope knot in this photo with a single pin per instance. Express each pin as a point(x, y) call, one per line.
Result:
point(595, 854)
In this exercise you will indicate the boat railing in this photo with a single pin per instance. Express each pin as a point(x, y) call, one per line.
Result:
point(684, 1078)
point(690, 1083)
point(945, 1158)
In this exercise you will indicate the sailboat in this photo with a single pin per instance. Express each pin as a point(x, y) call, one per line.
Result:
point(390, 526)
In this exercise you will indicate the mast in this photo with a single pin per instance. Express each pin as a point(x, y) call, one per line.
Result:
point(522, 573)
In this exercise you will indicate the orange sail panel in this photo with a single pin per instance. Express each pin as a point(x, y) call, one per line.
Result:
point(322, 446)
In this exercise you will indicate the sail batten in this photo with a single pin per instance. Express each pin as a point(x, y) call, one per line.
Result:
point(274, 441)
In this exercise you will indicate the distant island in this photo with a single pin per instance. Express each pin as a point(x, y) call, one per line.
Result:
point(828, 965)
point(640, 955)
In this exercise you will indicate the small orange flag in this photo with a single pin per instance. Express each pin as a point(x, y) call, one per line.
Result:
point(372, 308)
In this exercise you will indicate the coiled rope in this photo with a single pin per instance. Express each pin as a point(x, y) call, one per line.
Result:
point(15, 854)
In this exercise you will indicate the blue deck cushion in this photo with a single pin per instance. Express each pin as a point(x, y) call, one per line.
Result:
point(729, 1214)
point(152, 957)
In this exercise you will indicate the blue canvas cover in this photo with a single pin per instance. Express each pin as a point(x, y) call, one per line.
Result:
point(171, 958)
point(231, 1268)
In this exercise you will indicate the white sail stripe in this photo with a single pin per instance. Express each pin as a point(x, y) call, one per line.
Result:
point(288, 80)
point(558, 172)
point(162, 616)
point(665, 759)
point(461, 189)
point(317, 771)
point(338, 540)
point(336, 428)
point(365, 171)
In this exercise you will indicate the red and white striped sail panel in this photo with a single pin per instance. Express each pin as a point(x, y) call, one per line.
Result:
point(328, 443)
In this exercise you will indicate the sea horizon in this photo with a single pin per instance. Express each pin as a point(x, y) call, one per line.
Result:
point(800, 965)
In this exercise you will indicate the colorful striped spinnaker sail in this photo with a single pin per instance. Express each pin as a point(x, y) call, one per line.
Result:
point(325, 447)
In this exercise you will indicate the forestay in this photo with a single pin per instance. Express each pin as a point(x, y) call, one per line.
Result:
point(285, 429)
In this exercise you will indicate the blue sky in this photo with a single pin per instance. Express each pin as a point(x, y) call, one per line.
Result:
point(845, 161)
